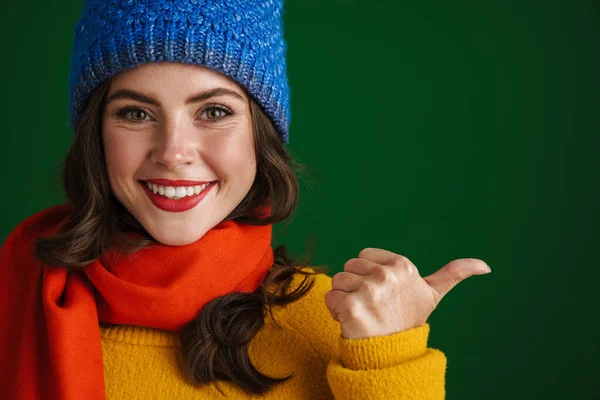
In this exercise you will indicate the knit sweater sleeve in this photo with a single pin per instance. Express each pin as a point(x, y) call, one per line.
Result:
point(397, 366)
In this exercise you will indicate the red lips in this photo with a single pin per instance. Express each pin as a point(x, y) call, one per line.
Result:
point(169, 182)
point(180, 205)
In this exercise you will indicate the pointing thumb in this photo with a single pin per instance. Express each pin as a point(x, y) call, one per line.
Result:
point(444, 279)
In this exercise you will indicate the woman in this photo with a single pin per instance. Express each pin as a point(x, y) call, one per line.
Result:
point(157, 278)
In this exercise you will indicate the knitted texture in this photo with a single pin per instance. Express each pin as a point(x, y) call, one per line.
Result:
point(242, 39)
point(142, 363)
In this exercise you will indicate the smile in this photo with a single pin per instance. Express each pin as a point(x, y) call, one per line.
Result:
point(176, 192)
point(176, 198)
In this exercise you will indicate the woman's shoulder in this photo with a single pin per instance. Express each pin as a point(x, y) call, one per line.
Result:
point(309, 317)
point(42, 223)
point(321, 286)
point(315, 298)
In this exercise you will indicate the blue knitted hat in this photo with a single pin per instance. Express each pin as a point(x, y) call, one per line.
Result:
point(242, 39)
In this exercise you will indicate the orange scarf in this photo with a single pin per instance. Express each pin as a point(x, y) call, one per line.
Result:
point(50, 337)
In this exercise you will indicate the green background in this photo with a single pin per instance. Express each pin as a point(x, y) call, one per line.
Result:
point(437, 131)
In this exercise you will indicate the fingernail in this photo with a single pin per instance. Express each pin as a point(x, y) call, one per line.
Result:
point(487, 268)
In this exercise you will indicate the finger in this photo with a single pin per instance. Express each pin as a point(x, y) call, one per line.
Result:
point(359, 266)
point(443, 280)
point(332, 300)
point(346, 282)
point(379, 256)
point(384, 257)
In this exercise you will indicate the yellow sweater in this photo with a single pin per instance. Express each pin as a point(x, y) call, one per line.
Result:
point(141, 363)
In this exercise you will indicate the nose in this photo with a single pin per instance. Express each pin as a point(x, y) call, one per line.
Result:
point(175, 146)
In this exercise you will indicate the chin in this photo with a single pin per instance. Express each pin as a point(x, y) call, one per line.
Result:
point(181, 238)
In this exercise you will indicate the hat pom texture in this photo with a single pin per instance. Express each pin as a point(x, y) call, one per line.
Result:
point(242, 39)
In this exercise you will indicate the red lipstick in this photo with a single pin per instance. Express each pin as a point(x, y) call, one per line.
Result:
point(169, 182)
point(183, 204)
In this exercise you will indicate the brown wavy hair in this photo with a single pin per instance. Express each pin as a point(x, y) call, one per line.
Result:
point(215, 344)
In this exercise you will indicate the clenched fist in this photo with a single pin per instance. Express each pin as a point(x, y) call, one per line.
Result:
point(381, 293)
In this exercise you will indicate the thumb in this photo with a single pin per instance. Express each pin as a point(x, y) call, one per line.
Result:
point(452, 273)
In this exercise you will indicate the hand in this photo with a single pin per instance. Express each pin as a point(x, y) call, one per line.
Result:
point(381, 293)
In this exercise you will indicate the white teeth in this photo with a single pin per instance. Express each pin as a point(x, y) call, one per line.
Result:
point(180, 191)
point(169, 191)
point(176, 192)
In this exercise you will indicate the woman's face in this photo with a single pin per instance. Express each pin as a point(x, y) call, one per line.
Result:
point(167, 122)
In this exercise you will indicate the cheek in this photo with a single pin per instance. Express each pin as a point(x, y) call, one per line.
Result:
point(234, 158)
point(123, 155)
point(242, 157)
point(241, 160)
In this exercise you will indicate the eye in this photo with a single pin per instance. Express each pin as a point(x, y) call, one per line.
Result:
point(132, 113)
point(138, 115)
point(216, 112)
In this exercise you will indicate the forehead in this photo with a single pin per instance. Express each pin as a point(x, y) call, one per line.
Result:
point(163, 77)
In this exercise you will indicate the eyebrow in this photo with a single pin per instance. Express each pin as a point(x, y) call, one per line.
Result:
point(133, 95)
